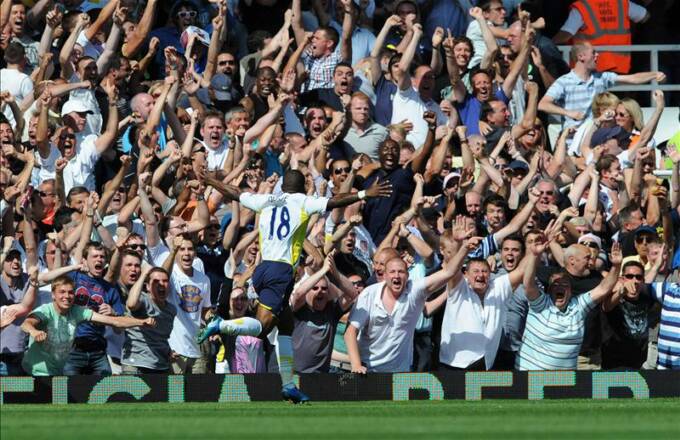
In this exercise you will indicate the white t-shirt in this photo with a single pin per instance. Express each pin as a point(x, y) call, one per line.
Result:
point(79, 171)
point(87, 97)
point(386, 340)
point(471, 330)
point(408, 105)
point(19, 85)
point(574, 22)
point(90, 49)
point(283, 222)
point(190, 294)
point(47, 166)
point(217, 157)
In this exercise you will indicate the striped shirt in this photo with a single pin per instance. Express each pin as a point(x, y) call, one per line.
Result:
point(668, 294)
point(573, 93)
point(552, 338)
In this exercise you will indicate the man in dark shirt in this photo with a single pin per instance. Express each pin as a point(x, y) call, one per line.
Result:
point(343, 83)
point(379, 213)
point(89, 347)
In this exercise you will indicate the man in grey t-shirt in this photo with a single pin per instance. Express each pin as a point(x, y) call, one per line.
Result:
point(146, 350)
point(13, 283)
point(318, 305)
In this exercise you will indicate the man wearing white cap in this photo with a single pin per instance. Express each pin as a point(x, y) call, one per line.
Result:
point(83, 153)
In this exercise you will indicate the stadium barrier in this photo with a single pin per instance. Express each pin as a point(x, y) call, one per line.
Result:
point(534, 385)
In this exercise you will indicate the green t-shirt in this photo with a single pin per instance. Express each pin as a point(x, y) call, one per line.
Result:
point(47, 358)
point(673, 143)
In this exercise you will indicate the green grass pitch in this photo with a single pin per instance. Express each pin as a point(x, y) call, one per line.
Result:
point(416, 420)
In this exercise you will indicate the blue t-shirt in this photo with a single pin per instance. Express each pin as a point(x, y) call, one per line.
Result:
point(470, 109)
point(91, 293)
point(384, 92)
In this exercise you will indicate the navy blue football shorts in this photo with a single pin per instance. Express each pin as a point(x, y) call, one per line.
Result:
point(273, 281)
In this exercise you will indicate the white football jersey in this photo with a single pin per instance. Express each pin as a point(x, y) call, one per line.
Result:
point(283, 222)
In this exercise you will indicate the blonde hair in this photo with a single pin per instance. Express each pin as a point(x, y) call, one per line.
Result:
point(603, 101)
point(635, 112)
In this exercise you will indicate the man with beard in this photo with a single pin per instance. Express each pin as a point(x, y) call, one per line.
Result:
point(146, 349)
point(365, 135)
point(379, 213)
point(556, 322)
point(82, 156)
point(414, 96)
point(282, 225)
point(226, 64)
point(265, 85)
point(386, 314)
point(321, 57)
point(343, 80)
point(88, 355)
point(611, 179)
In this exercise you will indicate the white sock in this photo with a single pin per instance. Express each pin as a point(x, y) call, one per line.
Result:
point(242, 326)
point(284, 355)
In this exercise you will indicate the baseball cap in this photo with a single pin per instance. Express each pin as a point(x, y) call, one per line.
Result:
point(221, 85)
point(518, 165)
point(602, 135)
point(645, 229)
point(75, 105)
point(590, 238)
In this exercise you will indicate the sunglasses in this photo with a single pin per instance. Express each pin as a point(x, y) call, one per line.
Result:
point(44, 194)
point(591, 244)
point(342, 170)
point(225, 62)
point(63, 137)
point(547, 193)
point(358, 283)
point(644, 239)
point(133, 247)
point(621, 115)
point(186, 14)
point(632, 276)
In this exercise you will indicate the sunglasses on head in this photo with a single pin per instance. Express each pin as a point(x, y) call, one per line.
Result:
point(342, 170)
point(633, 276)
point(591, 244)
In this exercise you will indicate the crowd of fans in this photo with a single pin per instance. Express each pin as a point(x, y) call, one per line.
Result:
point(125, 123)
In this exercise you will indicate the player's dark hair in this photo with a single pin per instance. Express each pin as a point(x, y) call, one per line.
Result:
point(293, 182)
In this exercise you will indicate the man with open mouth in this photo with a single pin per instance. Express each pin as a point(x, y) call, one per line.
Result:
point(556, 323)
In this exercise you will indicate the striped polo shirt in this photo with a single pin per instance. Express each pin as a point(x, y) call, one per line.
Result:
point(573, 93)
point(552, 338)
point(668, 294)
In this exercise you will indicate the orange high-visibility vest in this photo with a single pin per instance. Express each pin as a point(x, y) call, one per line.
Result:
point(605, 22)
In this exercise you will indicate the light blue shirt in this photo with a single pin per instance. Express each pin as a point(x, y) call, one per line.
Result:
point(552, 338)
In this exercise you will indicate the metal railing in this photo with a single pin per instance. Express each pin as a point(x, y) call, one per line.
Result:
point(653, 50)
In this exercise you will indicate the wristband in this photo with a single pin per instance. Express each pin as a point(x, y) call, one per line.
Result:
point(362, 194)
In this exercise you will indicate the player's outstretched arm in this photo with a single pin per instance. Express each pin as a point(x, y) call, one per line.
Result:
point(377, 189)
point(228, 191)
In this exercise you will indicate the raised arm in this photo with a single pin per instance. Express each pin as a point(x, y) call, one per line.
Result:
point(489, 39)
point(107, 138)
point(519, 219)
point(103, 17)
point(219, 23)
point(401, 72)
point(111, 46)
point(67, 49)
point(347, 28)
point(419, 162)
point(599, 293)
point(136, 39)
point(534, 251)
point(132, 302)
point(296, 23)
point(519, 64)
point(391, 21)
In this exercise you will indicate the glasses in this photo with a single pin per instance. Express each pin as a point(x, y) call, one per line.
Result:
point(644, 239)
point(342, 170)
point(134, 247)
point(63, 137)
point(621, 115)
point(186, 14)
point(591, 244)
point(240, 298)
point(225, 62)
point(358, 283)
point(44, 194)
point(633, 276)
point(547, 193)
